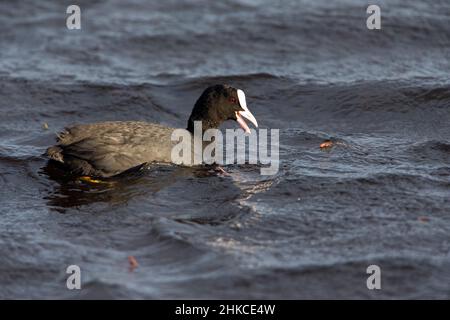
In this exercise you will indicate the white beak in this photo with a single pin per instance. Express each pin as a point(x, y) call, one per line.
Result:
point(240, 115)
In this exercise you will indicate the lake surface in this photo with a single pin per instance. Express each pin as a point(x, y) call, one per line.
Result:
point(380, 195)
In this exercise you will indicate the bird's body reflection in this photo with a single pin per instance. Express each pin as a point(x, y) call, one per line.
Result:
point(71, 191)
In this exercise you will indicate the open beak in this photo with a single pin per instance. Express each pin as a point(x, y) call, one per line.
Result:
point(240, 115)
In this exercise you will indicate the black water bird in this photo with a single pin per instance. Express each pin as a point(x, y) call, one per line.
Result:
point(107, 149)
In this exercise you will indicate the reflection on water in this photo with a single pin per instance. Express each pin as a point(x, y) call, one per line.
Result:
point(146, 180)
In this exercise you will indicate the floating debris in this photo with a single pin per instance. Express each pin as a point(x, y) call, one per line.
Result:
point(45, 126)
point(133, 263)
point(326, 144)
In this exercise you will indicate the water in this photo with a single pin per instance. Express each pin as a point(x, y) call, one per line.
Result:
point(310, 68)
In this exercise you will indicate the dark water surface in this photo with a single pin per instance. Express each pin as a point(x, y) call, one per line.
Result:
point(380, 196)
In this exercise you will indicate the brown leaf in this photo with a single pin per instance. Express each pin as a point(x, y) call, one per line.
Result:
point(326, 144)
point(133, 263)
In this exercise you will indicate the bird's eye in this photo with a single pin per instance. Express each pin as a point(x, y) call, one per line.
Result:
point(232, 100)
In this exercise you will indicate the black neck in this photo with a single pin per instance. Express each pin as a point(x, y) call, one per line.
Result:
point(206, 124)
point(204, 113)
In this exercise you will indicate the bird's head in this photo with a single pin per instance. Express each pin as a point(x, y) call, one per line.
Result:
point(219, 103)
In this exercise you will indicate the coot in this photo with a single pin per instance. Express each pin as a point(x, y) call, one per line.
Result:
point(109, 148)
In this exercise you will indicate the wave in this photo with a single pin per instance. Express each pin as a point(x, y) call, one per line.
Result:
point(430, 151)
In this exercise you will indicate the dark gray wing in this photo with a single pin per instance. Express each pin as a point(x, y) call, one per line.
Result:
point(114, 147)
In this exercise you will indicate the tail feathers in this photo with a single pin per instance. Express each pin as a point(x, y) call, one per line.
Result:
point(55, 153)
